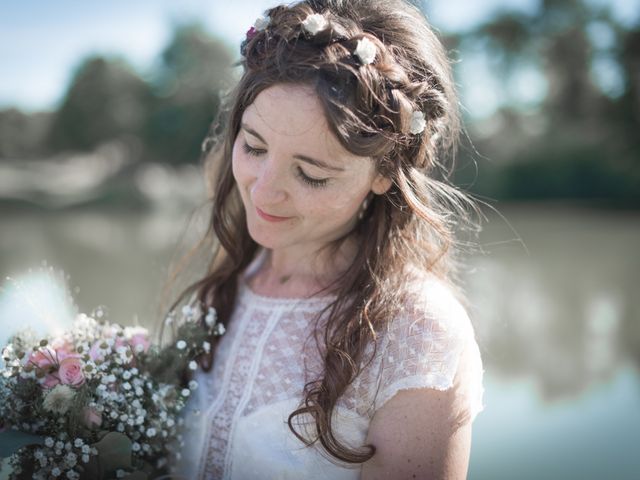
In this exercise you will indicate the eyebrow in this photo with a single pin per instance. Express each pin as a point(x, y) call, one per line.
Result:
point(304, 158)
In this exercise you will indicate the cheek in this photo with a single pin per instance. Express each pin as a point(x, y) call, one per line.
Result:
point(335, 208)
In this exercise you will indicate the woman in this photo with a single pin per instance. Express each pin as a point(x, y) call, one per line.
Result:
point(347, 353)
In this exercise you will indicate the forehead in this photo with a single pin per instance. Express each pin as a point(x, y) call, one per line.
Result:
point(291, 116)
point(289, 110)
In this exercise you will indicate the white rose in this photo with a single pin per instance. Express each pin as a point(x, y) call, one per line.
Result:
point(314, 23)
point(366, 51)
point(418, 122)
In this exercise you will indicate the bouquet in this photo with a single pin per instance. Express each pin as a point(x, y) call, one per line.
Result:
point(99, 400)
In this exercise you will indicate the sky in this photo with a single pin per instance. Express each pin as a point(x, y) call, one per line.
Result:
point(42, 42)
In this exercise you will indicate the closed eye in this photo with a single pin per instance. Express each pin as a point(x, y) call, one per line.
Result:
point(311, 181)
point(249, 150)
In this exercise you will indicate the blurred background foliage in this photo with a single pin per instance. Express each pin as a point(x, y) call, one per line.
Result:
point(580, 140)
point(165, 117)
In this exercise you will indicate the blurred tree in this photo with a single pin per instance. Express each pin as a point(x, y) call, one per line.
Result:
point(22, 135)
point(194, 68)
point(105, 99)
point(580, 140)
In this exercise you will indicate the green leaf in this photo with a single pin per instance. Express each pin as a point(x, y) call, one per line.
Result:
point(13, 440)
point(114, 451)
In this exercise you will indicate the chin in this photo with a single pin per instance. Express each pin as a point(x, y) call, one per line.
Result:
point(268, 240)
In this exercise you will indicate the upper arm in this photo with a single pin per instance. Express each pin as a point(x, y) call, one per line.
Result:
point(416, 438)
point(424, 432)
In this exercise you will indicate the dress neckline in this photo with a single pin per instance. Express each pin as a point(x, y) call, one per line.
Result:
point(265, 299)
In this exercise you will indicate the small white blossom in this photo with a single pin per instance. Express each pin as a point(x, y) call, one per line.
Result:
point(78, 442)
point(85, 458)
point(366, 51)
point(151, 432)
point(126, 374)
point(193, 385)
point(219, 330)
point(135, 447)
point(211, 317)
point(193, 365)
point(418, 122)
point(55, 471)
point(120, 473)
point(71, 459)
point(207, 346)
point(314, 23)
point(181, 345)
point(49, 442)
point(185, 392)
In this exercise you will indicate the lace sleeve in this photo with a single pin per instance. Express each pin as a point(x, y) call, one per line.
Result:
point(432, 345)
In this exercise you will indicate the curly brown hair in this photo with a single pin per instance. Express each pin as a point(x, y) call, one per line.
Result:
point(369, 109)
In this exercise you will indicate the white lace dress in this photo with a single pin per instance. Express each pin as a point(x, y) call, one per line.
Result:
point(236, 422)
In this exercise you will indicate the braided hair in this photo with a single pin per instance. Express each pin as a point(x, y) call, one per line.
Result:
point(371, 102)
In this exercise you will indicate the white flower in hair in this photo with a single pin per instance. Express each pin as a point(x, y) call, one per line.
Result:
point(261, 22)
point(366, 51)
point(418, 122)
point(314, 23)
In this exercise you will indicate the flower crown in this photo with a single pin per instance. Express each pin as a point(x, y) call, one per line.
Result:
point(366, 52)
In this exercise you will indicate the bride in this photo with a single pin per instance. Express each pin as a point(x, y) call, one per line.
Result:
point(348, 352)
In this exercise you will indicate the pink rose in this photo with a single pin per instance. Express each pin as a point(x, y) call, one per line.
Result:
point(92, 418)
point(70, 371)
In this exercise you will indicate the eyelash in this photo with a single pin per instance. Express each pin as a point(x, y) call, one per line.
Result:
point(312, 182)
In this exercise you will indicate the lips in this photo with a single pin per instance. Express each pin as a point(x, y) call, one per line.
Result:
point(270, 218)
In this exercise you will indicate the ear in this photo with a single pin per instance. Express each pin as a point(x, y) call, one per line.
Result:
point(380, 184)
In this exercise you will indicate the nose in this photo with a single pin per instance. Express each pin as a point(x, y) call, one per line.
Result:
point(267, 188)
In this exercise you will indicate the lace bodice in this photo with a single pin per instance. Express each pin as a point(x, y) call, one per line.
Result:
point(236, 422)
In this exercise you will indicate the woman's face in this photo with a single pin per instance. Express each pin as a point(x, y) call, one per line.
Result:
point(299, 186)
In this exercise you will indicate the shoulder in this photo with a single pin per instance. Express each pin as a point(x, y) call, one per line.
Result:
point(430, 387)
point(433, 300)
point(431, 345)
point(431, 320)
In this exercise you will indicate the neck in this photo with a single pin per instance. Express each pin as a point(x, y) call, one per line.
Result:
point(313, 267)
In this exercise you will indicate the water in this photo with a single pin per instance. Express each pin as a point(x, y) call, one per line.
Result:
point(555, 306)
